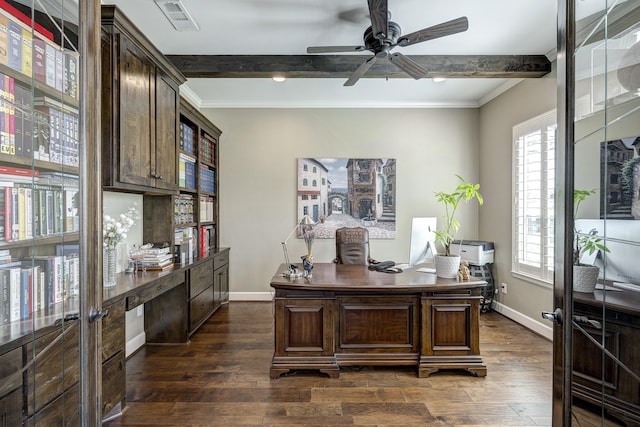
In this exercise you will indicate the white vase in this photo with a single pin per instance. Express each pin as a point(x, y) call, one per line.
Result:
point(585, 278)
point(447, 266)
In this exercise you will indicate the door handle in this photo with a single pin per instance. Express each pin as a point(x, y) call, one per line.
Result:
point(556, 316)
point(97, 315)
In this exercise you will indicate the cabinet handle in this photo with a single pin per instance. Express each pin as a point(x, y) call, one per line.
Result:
point(156, 176)
point(586, 321)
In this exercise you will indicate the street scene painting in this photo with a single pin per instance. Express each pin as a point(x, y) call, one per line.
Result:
point(341, 192)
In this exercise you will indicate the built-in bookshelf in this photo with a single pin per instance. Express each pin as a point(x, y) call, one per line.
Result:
point(39, 181)
point(196, 207)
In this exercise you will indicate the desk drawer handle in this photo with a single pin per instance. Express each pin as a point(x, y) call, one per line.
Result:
point(159, 288)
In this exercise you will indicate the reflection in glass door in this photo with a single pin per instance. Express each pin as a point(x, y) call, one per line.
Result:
point(48, 345)
point(599, 373)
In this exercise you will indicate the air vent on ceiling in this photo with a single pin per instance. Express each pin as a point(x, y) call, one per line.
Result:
point(177, 14)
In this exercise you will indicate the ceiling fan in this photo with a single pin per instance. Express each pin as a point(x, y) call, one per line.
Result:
point(383, 35)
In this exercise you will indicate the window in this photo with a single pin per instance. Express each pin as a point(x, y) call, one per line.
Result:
point(315, 183)
point(305, 197)
point(315, 169)
point(305, 182)
point(533, 193)
point(324, 181)
point(305, 168)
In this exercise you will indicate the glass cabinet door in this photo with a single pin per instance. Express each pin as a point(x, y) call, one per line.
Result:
point(602, 146)
point(47, 342)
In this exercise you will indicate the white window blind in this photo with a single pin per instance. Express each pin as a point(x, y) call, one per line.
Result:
point(533, 193)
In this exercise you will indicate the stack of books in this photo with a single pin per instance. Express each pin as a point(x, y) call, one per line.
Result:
point(156, 259)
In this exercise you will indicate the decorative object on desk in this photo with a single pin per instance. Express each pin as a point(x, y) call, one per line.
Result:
point(463, 272)
point(114, 230)
point(348, 192)
point(305, 225)
point(109, 267)
point(307, 260)
point(447, 265)
point(585, 275)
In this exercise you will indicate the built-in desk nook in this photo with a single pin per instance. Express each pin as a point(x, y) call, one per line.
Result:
point(176, 302)
point(348, 315)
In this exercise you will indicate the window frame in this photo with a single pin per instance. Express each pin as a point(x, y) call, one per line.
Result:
point(523, 264)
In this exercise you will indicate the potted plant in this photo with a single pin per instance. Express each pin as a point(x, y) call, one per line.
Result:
point(447, 265)
point(585, 276)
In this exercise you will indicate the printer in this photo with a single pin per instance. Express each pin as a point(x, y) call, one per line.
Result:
point(475, 252)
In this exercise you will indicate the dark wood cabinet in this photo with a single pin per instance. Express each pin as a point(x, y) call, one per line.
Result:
point(140, 102)
point(597, 379)
point(113, 360)
point(221, 278)
point(201, 293)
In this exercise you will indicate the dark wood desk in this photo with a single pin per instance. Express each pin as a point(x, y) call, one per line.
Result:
point(346, 315)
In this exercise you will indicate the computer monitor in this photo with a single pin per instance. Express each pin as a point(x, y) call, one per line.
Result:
point(423, 237)
point(621, 262)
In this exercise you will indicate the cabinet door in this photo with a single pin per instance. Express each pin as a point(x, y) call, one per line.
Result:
point(164, 162)
point(137, 119)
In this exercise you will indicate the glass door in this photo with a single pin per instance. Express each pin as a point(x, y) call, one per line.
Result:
point(48, 334)
point(597, 368)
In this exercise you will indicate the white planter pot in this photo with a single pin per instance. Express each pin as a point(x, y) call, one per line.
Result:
point(447, 266)
point(585, 278)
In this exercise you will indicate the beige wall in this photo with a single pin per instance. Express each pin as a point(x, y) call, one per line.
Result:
point(526, 100)
point(258, 153)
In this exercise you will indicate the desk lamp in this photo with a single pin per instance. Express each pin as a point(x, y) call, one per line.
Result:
point(292, 270)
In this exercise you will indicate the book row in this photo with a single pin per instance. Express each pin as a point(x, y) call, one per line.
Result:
point(207, 179)
point(186, 171)
point(206, 208)
point(36, 284)
point(183, 209)
point(34, 54)
point(207, 149)
point(37, 210)
point(187, 138)
point(49, 132)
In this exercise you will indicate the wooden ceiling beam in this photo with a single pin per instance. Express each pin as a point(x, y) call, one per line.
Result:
point(342, 66)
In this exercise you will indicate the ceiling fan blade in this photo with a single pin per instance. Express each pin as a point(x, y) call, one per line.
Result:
point(360, 71)
point(445, 29)
point(379, 13)
point(408, 65)
point(329, 49)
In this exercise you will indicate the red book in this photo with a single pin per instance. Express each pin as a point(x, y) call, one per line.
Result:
point(10, 170)
point(25, 19)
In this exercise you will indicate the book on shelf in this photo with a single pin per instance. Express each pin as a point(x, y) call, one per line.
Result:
point(39, 60)
point(4, 39)
point(70, 74)
point(59, 79)
point(50, 64)
point(27, 52)
point(15, 46)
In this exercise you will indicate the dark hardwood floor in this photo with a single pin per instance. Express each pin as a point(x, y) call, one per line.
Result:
point(222, 378)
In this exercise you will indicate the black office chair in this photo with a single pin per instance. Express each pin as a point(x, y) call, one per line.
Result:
point(352, 246)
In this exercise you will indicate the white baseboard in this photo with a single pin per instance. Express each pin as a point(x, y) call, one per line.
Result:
point(250, 296)
point(543, 329)
point(134, 344)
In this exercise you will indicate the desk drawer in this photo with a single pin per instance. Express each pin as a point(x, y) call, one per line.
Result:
point(10, 363)
point(221, 259)
point(155, 288)
point(200, 308)
point(200, 277)
point(113, 334)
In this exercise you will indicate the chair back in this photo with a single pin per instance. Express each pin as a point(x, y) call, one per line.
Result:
point(352, 246)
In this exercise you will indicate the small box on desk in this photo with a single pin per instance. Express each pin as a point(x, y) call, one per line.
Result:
point(474, 251)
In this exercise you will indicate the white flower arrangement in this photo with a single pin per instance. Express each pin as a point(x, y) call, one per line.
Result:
point(114, 230)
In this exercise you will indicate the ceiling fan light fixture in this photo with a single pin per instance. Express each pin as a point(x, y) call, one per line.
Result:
point(438, 79)
point(178, 15)
point(278, 79)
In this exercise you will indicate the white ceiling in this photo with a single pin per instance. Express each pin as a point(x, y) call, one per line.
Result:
point(281, 27)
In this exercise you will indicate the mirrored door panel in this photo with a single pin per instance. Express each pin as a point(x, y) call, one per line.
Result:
point(606, 210)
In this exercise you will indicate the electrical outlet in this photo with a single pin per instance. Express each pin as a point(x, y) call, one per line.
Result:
point(503, 288)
